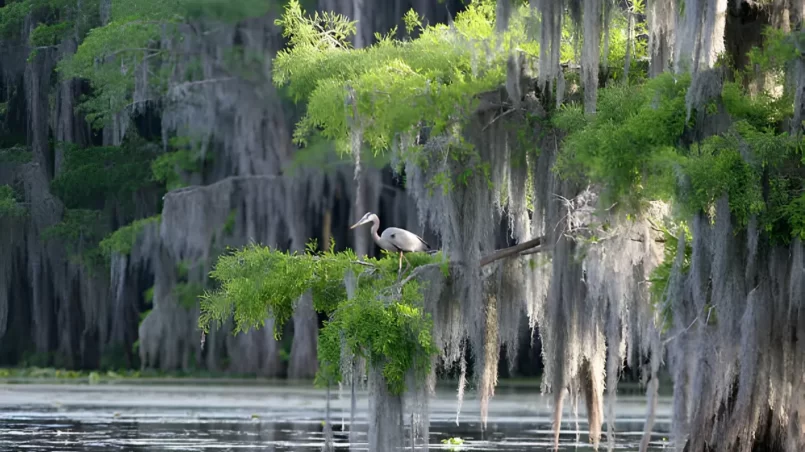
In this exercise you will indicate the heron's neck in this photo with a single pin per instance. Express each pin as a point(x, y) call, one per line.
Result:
point(375, 227)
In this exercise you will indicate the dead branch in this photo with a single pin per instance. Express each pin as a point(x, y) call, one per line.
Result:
point(510, 251)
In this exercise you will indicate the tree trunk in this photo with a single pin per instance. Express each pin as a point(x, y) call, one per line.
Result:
point(385, 414)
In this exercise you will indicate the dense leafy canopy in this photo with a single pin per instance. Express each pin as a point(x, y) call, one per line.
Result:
point(397, 85)
point(635, 163)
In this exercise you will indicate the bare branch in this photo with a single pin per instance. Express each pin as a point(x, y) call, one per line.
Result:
point(229, 180)
point(510, 251)
point(417, 271)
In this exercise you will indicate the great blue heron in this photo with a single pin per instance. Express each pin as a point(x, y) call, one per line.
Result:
point(393, 240)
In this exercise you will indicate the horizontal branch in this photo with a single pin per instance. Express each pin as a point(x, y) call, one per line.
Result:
point(510, 251)
point(218, 184)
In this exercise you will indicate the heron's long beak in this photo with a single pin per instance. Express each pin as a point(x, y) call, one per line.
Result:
point(360, 222)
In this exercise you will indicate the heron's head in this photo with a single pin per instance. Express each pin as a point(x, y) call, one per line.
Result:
point(366, 218)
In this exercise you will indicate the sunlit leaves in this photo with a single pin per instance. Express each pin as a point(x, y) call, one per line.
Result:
point(398, 85)
point(635, 147)
point(321, 31)
point(384, 322)
point(394, 335)
point(617, 148)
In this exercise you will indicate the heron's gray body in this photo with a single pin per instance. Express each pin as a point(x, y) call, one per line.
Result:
point(397, 239)
point(394, 240)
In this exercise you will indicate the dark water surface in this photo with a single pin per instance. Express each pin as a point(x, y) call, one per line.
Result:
point(185, 417)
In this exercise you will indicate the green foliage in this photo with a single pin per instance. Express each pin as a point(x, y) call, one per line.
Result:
point(615, 147)
point(169, 168)
point(16, 154)
point(795, 211)
point(636, 147)
point(121, 43)
point(122, 240)
point(394, 334)
point(57, 20)
point(12, 17)
point(9, 205)
point(398, 85)
point(187, 294)
point(384, 322)
point(134, 37)
point(93, 175)
point(719, 169)
point(251, 289)
point(618, 36)
point(80, 231)
point(761, 111)
point(661, 275)
point(50, 35)
point(78, 225)
point(779, 49)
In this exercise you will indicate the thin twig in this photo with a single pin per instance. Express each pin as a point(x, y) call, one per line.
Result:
point(682, 332)
point(498, 117)
point(417, 271)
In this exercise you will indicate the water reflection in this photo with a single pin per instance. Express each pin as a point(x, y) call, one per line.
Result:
point(136, 418)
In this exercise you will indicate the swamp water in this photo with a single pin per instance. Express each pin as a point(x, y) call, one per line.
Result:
point(216, 416)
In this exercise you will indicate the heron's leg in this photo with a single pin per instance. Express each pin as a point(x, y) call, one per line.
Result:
point(407, 263)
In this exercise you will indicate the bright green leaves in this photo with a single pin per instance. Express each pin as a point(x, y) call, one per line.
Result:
point(636, 148)
point(761, 111)
point(257, 282)
point(736, 164)
point(322, 31)
point(393, 334)
point(662, 273)
point(628, 145)
point(719, 169)
point(398, 86)
point(384, 322)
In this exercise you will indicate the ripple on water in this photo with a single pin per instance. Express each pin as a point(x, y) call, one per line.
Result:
point(88, 418)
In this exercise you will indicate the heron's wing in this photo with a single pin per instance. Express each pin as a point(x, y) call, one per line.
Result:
point(427, 247)
point(405, 240)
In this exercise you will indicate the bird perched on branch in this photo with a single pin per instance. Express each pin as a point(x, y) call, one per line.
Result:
point(394, 240)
